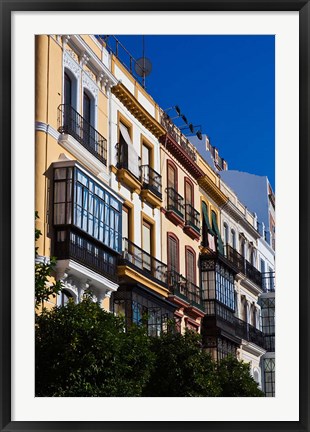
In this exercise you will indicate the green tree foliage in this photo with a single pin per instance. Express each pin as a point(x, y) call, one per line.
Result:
point(182, 368)
point(44, 288)
point(235, 379)
point(81, 350)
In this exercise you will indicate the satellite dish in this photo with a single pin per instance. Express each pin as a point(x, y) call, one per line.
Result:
point(143, 67)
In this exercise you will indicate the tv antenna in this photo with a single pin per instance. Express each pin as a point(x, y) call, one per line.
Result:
point(143, 66)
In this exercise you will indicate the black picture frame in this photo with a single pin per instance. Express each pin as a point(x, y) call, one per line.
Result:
point(7, 7)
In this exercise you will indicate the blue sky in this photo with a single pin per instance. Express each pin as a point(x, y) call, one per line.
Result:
point(224, 83)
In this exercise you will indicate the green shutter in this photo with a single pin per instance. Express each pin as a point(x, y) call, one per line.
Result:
point(206, 217)
point(220, 244)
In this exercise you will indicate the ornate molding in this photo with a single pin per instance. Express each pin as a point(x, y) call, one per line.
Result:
point(137, 110)
point(72, 65)
point(212, 190)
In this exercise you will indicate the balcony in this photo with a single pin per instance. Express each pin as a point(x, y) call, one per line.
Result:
point(72, 123)
point(146, 266)
point(249, 333)
point(128, 166)
point(151, 186)
point(235, 258)
point(192, 222)
point(219, 319)
point(268, 282)
point(175, 207)
point(70, 244)
point(253, 274)
point(180, 287)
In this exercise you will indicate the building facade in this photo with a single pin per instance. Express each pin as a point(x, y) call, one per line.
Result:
point(137, 214)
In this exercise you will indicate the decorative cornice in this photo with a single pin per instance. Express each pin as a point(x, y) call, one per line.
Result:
point(95, 62)
point(212, 190)
point(240, 218)
point(182, 156)
point(137, 110)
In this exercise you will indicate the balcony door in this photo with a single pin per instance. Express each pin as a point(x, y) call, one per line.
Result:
point(146, 163)
point(87, 120)
point(189, 195)
point(173, 259)
point(171, 177)
point(147, 245)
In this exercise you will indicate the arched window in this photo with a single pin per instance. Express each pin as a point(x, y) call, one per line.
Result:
point(190, 260)
point(172, 179)
point(233, 239)
point(68, 90)
point(226, 234)
point(173, 253)
point(189, 192)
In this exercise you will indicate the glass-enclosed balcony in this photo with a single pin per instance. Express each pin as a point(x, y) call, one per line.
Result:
point(183, 288)
point(72, 123)
point(135, 257)
point(218, 317)
point(70, 244)
point(268, 281)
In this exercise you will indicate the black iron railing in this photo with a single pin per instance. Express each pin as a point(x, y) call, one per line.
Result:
point(234, 257)
point(175, 202)
point(268, 281)
point(177, 135)
point(134, 256)
point(250, 333)
point(72, 123)
point(151, 180)
point(253, 274)
point(192, 217)
point(185, 289)
point(71, 245)
point(225, 319)
point(128, 159)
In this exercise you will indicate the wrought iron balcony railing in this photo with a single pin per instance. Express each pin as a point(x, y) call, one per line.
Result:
point(219, 316)
point(192, 217)
point(235, 258)
point(182, 287)
point(151, 180)
point(175, 202)
point(250, 333)
point(268, 281)
point(253, 274)
point(72, 123)
point(128, 159)
point(136, 257)
point(72, 245)
point(177, 135)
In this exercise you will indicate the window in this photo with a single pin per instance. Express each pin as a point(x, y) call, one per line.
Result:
point(190, 265)
point(269, 377)
point(233, 239)
point(147, 237)
point(218, 284)
point(189, 193)
point(226, 235)
point(87, 205)
point(128, 157)
point(86, 107)
point(173, 253)
point(67, 90)
point(215, 228)
point(171, 176)
point(146, 156)
point(242, 246)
